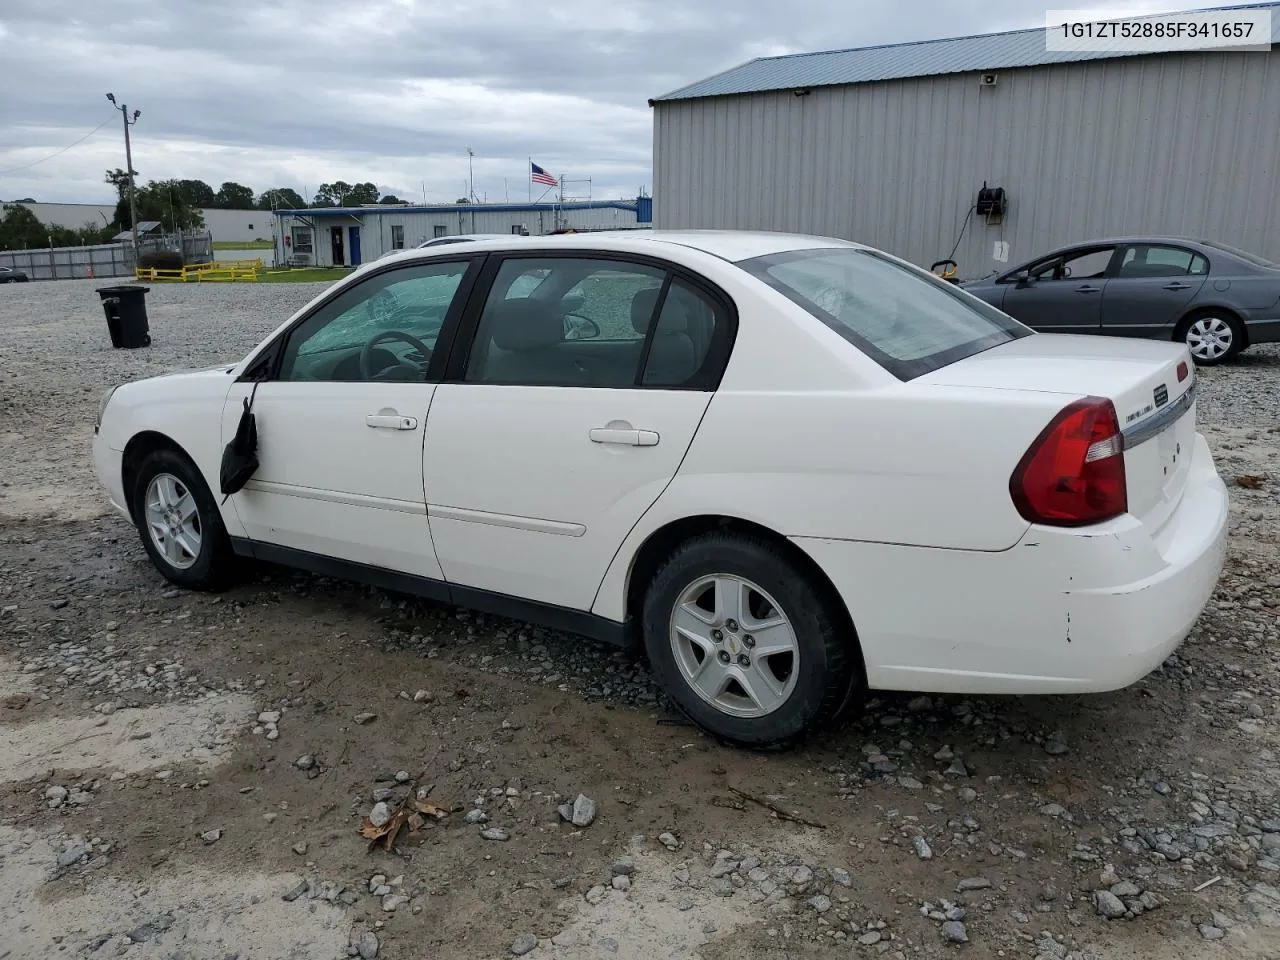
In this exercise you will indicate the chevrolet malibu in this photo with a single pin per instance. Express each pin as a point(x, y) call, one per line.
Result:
point(792, 468)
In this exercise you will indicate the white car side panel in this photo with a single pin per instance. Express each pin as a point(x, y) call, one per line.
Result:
point(523, 502)
point(328, 483)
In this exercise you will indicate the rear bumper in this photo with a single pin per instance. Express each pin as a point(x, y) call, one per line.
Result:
point(1061, 612)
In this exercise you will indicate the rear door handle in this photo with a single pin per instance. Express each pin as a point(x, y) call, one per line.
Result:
point(1176, 286)
point(625, 436)
point(1087, 289)
point(390, 421)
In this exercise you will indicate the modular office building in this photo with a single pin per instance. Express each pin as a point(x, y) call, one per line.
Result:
point(349, 236)
point(891, 146)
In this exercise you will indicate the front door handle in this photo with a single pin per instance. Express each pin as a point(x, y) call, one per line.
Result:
point(390, 420)
point(1176, 286)
point(1087, 289)
point(626, 436)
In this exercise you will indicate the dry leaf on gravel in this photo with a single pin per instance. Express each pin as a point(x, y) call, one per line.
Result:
point(410, 812)
point(1251, 481)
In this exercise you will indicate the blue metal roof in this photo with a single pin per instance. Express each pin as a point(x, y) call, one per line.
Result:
point(461, 208)
point(898, 61)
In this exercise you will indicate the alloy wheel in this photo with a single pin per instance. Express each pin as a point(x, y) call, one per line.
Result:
point(173, 521)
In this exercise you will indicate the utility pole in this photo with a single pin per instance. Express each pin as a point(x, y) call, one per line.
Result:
point(128, 159)
point(471, 176)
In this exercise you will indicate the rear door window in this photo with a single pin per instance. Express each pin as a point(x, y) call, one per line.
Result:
point(906, 320)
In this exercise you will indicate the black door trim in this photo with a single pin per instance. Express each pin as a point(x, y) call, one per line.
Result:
point(547, 615)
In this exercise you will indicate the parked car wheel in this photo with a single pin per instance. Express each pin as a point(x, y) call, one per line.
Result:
point(179, 522)
point(1212, 336)
point(744, 643)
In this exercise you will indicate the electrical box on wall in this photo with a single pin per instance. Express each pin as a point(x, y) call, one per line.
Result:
point(991, 203)
point(988, 79)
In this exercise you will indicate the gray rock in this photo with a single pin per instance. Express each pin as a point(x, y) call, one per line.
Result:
point(402, 776)
point(584, 811)
point(367, 946)
point(957, 769)
point(151, 929)
point(622, 882)
point(525, 943)
point(669, 840)
point(380, 815)
point(1108, 905)
point(955, 913)
point(870, 938)
point(1053, 810)
point(623, 867)
point(1125, 889)
point(363, 718)
point(1048, 947)
point(1048, 893)
point(300, 848)
point(684, 904)
point(800, 875)
point(923, 850)
point(911, 783)
point(269, 717)
point(841, 877)
point(305, 762)
point(56, 793)
point(476, 816)
point(607, 945)
point(72, 853)
point(967, 794)
point(953, 931)
point(722, 886)
point(382, 793)
point(211, 836)
point(596, 894)
point(820, 903)
point(296, 892)
point(1055, 744)
point(495, 833)
point(973, 883)
point(393, 900)
point(1210, 932)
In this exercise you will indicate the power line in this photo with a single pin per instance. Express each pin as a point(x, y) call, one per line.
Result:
point(56, 153)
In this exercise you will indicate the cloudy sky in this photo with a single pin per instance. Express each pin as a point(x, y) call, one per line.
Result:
point(297, 92)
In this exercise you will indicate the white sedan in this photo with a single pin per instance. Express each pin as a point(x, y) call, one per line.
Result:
point(792, 468)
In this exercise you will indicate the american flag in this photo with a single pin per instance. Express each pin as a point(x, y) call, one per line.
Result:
point(538, 175)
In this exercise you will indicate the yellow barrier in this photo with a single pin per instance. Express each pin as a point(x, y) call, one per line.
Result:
point(216, 271)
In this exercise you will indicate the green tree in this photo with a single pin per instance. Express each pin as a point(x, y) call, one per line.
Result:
point(20, 230)
point(391, 198)
point(119, 179)
point(197, 193)
point(363, 193)
point(281, 198)
point(343, 194)
point(161, 200)
point(233, 196)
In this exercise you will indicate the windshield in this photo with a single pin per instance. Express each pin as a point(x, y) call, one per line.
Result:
point(905, 320)
point(1245, 255)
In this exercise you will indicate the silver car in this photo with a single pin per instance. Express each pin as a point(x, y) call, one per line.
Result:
point(1216, 298)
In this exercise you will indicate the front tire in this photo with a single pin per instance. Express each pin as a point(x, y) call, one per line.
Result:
point(179, 522)
point(1213, 337)
point(745, 643)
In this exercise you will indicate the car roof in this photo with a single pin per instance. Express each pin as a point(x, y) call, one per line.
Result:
point(731, 245)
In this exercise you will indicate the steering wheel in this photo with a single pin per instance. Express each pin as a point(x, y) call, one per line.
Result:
point(366, 353)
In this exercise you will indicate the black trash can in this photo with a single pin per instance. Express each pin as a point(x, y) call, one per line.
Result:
point(126, 310)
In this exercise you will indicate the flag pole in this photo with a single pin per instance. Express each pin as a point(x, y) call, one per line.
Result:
point(528, 172)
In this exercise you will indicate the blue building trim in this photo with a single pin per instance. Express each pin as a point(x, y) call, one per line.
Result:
point(634, 206)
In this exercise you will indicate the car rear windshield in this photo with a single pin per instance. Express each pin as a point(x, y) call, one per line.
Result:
point(906, 320)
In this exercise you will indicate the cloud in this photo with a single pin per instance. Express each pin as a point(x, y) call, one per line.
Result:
point(297, 92)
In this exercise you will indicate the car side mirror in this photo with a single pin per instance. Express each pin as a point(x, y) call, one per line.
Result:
point(1023, 280)
point(580, 328)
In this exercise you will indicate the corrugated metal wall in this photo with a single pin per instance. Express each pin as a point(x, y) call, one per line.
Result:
point(1183, 144)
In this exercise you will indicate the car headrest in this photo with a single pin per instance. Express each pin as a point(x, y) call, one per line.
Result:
point(524, 324)
point(674, 319)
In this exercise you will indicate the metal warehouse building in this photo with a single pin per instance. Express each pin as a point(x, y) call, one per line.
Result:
point(349, 236)
point(890, 146)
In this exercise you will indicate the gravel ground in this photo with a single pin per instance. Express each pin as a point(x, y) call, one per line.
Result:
point(187, 775)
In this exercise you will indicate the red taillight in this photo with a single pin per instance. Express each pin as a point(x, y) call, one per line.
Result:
point(1182, 370)
point(1074, 472)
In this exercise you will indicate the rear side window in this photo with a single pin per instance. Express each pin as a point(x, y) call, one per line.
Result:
point(905, 320)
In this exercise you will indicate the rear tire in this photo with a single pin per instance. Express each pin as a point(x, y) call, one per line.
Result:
point(710, 613)
point(179, 522)
point(1212, 336)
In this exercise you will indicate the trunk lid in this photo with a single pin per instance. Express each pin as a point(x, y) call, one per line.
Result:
point(1140, 377)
